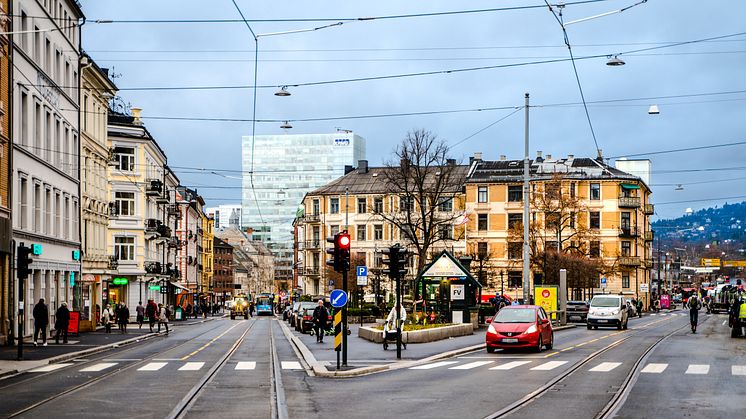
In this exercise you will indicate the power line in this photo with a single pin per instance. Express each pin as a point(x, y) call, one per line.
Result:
point(487, 127)
point(678, 150)
point(701, 200)
point(702, 182)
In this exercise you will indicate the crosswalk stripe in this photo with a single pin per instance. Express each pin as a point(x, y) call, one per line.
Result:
point(51, 367)
point(192, 366)
point(698, 369)
point(548, 365)
point(246, 365)
point(433, 365)
point(99, 367)
point(654, 368)
point(153, 366)
point(738, 370)
point(510, 365)
point(470, 365)
point(291, 365)
point(605, 367)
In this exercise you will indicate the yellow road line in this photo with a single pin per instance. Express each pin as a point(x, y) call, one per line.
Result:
point(567, 349)
point(548, 355)
point(209, 343)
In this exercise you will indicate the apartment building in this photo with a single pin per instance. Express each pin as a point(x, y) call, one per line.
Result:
point(6, 229)
point(207, 254)
point(190, 234)
point(223, 270)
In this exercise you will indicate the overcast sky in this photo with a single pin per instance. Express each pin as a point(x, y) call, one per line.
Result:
point(221, 54)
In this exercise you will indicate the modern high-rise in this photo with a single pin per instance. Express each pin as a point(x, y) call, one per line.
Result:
point(226, 215)
point(278, 170)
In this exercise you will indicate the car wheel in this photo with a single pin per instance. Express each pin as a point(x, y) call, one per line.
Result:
point(550, 345)
point(590, 327)
point(490, 350)
point(540, 345)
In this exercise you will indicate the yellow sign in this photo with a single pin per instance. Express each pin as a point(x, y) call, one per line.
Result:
point(710, 262)
point(546, 297)
point(734, 263)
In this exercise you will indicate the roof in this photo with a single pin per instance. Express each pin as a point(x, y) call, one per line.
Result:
point(121, 119)
point(218, 242)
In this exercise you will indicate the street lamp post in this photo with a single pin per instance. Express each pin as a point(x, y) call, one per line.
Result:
point(526, 249)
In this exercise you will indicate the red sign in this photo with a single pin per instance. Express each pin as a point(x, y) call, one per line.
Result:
point(545, 293)
point(74, 326)
point(283, 294)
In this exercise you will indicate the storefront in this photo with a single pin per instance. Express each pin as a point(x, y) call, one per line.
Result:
point(92, 298)
point(447, 291)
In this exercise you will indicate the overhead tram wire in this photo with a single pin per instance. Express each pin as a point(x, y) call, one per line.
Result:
point(488, 126)
point(679, 150)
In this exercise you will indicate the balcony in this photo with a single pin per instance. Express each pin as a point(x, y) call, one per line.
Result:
point(151, 225)
point(174, 243)
point(162, 199)
point(164, 231)
point(649, 236)
point(153, 268)
point(154, 187)
point(312, 218)
point(313, 244)
point(629, 261)
point(648, 209)
point(629, 202)
point(309, 271)
point(174, 211)
point(628, 232)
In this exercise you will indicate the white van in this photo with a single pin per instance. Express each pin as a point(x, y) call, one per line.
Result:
point(607, 310)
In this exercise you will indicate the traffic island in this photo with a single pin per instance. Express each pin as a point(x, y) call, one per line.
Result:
point(374, 334)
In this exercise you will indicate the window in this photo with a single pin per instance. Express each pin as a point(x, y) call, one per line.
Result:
point(125, 202)
point(334, 206)
point(571, 221)
point(626, 248)
point(482, 194)
point(482, 222)
point(23, 116)
point(378, 205)
point(66, 224)
point(361, 232)
point(37, 207)
point(552, 221)
point(124, 248)
point(378, 232)
point(316, 207)
point(39, 130)
point(57, 213)
point(626, 221)
point(594, 220)
point(625, 280)
point(362, 205)
point(572, 190)
point(553, 190)
point(515, 193)
point(406, 204)
point(334, 230)
point(595, 191)
point(405, 232)
point(551, 246)
point(76, 220)
point(445, 205)
point(125, 158)
point(48, 206)
point(482, 250)
point(515, 250)
point(23, 190)
point(515, 279)
point(445, 232)
point(515, 220)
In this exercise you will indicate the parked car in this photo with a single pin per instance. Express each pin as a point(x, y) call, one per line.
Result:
point(607, 310)
point(298, 319)
point(521, 326)
point(306, 320)
point(577, 311)
point(286, 312)
point(292, 313)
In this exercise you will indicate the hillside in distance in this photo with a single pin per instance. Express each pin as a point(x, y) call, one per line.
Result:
point(717, 225)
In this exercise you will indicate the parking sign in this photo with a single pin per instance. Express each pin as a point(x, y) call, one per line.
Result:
point(362, 276)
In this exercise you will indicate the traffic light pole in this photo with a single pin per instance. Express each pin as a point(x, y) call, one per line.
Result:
point(398, 314)
point(344, 320)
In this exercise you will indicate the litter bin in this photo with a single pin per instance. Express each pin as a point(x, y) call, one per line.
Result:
point(179, 314)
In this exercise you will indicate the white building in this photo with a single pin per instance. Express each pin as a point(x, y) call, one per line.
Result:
point(278, 170)
point(46, 148)
point(226, 215)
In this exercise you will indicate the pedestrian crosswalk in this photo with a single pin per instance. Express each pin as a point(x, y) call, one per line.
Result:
point(160, 365)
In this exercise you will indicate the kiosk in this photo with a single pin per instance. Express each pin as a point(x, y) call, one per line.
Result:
point(447, 292)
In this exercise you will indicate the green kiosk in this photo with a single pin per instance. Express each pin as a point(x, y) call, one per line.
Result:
point(446, 289)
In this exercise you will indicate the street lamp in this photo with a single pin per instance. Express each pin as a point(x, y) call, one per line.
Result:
point(615, 61)
point(286, 125)
point(283, 92)
point(653, 110)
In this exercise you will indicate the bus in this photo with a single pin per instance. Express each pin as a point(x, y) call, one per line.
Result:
point(264, 303)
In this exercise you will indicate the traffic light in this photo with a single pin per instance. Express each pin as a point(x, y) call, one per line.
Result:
point(23, 261)
point(340, 252)
point(396, 262)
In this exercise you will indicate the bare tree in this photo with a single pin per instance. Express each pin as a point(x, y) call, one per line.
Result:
point(423, 182)
point(481, 265)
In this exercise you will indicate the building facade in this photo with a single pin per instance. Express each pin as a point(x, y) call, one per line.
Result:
point(254, 263)
point(46, 147)
point(6, 229)
point(190, 234)
point(278, 170)
point(223, 275)
point(207, 256)
point(226, 215)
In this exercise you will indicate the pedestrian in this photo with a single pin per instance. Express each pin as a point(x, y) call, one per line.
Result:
point(639, 308)
point(320, 318)
point(61, 323)
point(204, 310)
point(251, 309)
point(123, 317)
point(162, 317)
point(106, 318)
point(188, 310)
point(151, 310)
point(693, 305)
point(140, 310)
point(41, 321)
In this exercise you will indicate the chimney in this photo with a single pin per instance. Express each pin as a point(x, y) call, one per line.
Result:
point(539, 159)
point(136, 112)
point(451, 162)
point(478, 156)
point(570, 156)
point(600, 157)
point(538, 154)
point(348, 168)
point(549, 157)
point(502, 157)
point(362, 166)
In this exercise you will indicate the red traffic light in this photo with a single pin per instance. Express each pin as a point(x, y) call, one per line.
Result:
point(344, 241)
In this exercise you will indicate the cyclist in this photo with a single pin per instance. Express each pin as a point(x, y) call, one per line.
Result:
point(694, 305)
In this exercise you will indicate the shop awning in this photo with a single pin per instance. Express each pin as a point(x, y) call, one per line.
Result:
point(629, 186)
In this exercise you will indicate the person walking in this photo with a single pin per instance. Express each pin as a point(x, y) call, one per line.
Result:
point(251, 309)
point(41, 321)
point(320, 318)
point(162, 317)
point(204, 310)
point(140, 310)
point(61, 323)
point(106, 318)
point(693, 305)
point(639, 308)
point(151, 310)
point(123, 316)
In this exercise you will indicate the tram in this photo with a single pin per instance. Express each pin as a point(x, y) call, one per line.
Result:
point(264, 303)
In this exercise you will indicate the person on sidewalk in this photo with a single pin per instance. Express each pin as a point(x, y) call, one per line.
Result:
point(41, 321)
point(391, 319)
point(123, 317)
point(251, 309)
point(61, 323)
point(151, 310)
point(106, 318)
point(163, 317)
point(140, 310)
point(320, 318)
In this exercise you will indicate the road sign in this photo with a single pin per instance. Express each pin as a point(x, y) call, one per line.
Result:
point(362, 275)
point(283, 294)
point(338, 298)
point(603, 282)
point(644, 287)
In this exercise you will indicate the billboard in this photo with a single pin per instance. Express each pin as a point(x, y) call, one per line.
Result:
point(546, 297)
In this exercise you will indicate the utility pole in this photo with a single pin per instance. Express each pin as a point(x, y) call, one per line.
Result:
point(526, 244)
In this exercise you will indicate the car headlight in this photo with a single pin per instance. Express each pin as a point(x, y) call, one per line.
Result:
point(491, 329)
point(531, 329)
point(615, 312)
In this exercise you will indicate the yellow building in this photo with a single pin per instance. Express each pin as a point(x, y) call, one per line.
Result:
point(208, 235)
point(579, 205)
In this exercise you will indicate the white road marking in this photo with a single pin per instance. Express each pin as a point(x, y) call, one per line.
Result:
point(725, 322)
point(122, 359)
point(663, 314)
point(548, 365)
point(738, 370)
point(153, 366)
point(605, 367)
point(246, 365)
point(698, 369)
point(192, 366)
point(510, 365)
point(291, 365)
point(98, 367)
point(654, 368)
point(470, 365)
point(433, 365)
point(48, 368)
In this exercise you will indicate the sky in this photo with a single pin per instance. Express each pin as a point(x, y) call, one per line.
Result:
point(699, 87)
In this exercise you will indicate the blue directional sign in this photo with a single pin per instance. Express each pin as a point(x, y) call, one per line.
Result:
point(338, 298)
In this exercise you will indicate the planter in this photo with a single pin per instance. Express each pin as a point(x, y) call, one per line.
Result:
point(420, 336)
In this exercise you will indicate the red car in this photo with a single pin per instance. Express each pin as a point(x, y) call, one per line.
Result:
point(520, 327)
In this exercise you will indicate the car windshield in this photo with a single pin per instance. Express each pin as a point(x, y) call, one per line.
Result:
point(515, 315)
point(605, 302)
